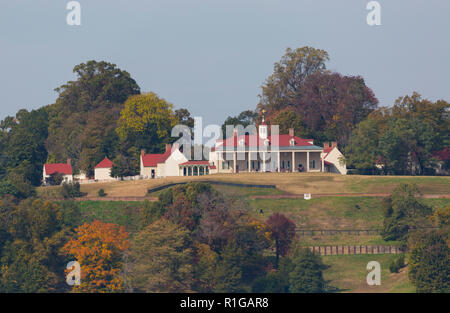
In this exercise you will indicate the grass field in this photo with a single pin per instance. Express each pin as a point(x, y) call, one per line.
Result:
point(348, 274)
point(291, 183)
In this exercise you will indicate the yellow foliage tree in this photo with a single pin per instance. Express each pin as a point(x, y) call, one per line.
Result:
point(144, 111)
point(98, 247)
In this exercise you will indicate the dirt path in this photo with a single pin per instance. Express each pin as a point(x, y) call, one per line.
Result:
point(289, 196)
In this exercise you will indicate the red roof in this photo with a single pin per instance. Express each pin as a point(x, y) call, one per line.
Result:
point(327, 150)
point(61, 168)
point(443, 154)
point(255, 140)
point(152, 160)
point(195, 163)
point(106, 163)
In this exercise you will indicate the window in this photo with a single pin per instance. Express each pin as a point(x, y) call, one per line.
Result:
point(312, 164)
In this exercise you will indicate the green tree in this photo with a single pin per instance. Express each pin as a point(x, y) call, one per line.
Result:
point(289, 119)
point(30, 259)
point(228, 270)
point(245, 118)
point(362, 151)
point(406, 146)
point(86, 112)
point(429, 262)
point(307, 276)
point(404, 210)
point(161, 259)
point(23, 142)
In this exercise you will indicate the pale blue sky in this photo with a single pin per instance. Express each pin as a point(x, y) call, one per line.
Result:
point(211, 56)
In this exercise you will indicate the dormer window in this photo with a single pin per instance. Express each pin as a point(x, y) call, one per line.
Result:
point(292, 142)
point(266, 142)
point(241, 142)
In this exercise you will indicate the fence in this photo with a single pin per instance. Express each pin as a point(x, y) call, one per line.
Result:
point(357, 232)
point(341, 250)
point(330, 232)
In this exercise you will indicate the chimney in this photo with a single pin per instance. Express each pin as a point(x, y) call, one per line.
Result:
point(291, 132)
point(142, 152)
point(69, 162)
point(168, 147)
point(326, 144)
point(235, 132)
point(334, 144)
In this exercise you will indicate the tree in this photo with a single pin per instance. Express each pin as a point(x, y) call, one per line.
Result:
point(23, 141)
point(146, 122)
point(307, 275)
point(71, 190)
point(31, 235)
point(406, 146)
point(362, 150)
point(55, 179)
point(99, 248)
point(403, 210)
point(283, 87)
point(282, 231)
point(123, 166)
point(429, 263)
point(434, 114)
point(245, 118)
point(161, 259)
point(183, 116)
point(287, 119)
point(86, 112)
point(332, 105)
point(229, 271)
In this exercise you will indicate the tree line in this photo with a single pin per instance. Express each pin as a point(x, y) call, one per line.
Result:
point(193, 239)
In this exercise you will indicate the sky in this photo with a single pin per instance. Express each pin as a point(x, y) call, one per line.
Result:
point(211, 56)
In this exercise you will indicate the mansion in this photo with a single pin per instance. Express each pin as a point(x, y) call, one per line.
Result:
point(239, 153)
point(282, 153)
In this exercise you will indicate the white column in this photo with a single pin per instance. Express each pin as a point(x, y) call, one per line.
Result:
point(264, 162)
point(293, 162)
point(249, 162)
point(307, 161)
point(279, 162)
point(234, 162)
point(323, 164)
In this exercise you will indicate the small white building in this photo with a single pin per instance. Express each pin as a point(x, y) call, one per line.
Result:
point(102, 171)
point(64, 169)
point(333, 159)
point(155, 165)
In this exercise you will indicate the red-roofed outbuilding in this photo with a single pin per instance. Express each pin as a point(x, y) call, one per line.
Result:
point(65, 169)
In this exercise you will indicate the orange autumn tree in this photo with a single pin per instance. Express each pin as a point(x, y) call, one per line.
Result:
point(98, 247)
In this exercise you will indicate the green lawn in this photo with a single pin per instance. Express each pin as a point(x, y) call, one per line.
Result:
point(348, 274)
point(118, 212)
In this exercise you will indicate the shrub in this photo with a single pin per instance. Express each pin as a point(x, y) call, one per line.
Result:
point(397, 264)
point(101, 193)
point(71, 190)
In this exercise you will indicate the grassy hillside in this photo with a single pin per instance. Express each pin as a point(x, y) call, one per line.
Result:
point(292, 183)
point(347, 273)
